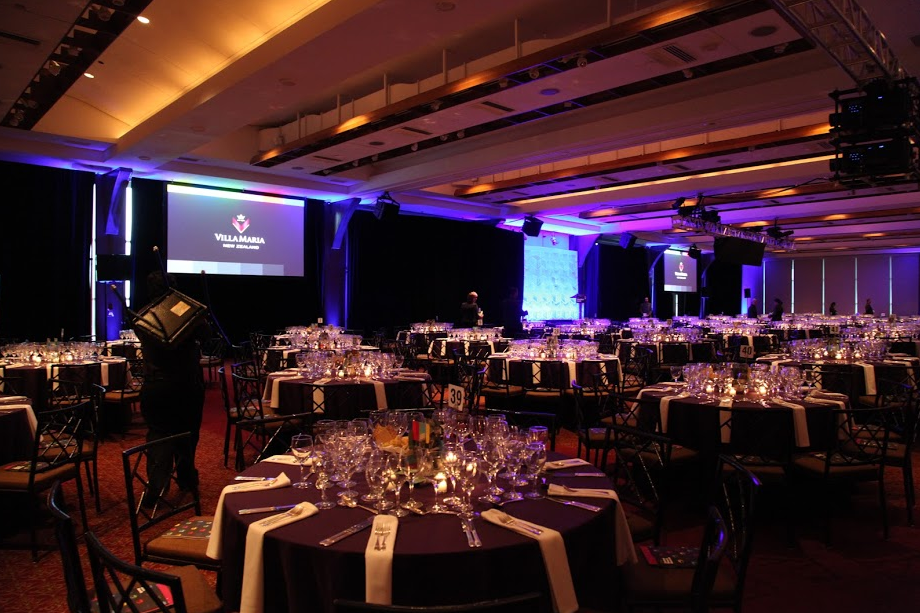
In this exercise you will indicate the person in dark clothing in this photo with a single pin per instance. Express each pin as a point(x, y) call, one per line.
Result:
point(869, 310)
point(752, 309)
point(469, 312)
point(833, 309)
point(171, 399)
point(777, 314)
point(512, 312)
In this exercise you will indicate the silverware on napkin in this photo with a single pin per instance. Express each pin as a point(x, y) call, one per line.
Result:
point(576, 503)
point(283, 507)
point(335, 538)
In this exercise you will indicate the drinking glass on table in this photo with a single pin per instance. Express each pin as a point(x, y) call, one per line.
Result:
point(468, 473)
point(374, 472)
point(302, 448)
point(321, 461)
point(417, 461)
point(534, 462)
point(396, 476)
point(675, 373)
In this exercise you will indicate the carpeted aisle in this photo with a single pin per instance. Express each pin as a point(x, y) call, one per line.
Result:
point(859, 573)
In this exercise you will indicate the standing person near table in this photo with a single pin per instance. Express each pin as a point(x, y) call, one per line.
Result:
point(645, 309)
point(833, 309)
point(512, 312)
point(777, 313)
point(752, 309)
point(172, 400)
point(470, 313)
point(869, 310)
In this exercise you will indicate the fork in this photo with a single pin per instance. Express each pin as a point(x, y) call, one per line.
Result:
point(510, 521)
point(381, 533)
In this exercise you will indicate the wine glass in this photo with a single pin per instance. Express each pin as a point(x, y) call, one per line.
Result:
point(302, 448)
point(321, 460)
point(491, 460)
point(450, 461)
point(468, 473)
point(374, 472)
point(513, 449)
point(675, 373)
point(396, 476)
point(535, 461)
point(416, 462)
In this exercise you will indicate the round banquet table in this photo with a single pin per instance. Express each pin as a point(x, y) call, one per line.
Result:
point(16, 435)
point(863, 375)
point(110, 372)
point(432, 562)
point(696, 423)
point(555, 373)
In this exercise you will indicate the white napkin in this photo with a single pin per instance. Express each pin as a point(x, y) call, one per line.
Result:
point(284, 459)
point(799, 422)
point(555, 558)
point(569, 463)
point(253, 592)
point(215, 548)
point(274, 399)
point(625, 550)
point(664, 407)
point(869, 373)
point(776, 364)
point(380, 392)
point(104, 374)
point(378, 564)
point(572, 375)
point(724, 417)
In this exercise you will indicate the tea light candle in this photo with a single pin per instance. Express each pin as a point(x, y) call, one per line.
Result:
point(762, 389)
point(441, 479)
point(709, 388)
point(838, 355)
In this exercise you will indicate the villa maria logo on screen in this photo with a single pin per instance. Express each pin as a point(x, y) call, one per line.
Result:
point(679, 273)
point(232, 241)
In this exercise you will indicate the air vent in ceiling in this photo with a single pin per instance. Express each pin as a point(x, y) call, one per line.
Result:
point(494, 106)
point(326, 158)
point(20, 39)
point(415, 131)
point(187, 159)
point(679, 53)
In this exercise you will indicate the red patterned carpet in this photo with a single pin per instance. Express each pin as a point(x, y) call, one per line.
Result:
point(859, 572)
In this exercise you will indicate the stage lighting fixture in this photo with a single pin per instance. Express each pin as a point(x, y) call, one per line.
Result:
point(531, 226)
point(694, 252)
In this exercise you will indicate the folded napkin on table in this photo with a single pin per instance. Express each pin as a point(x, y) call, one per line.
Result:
point(380, 392)
point(671, 383)
point(799, 421)
point(555, 558)
point(13, 399)
point(284, 459)
point(214, 545)
point(30, 414)
point(869, 374)
point(568, 463)
point(378, 563)
point(664, 407)
point(274, 397)
point(253, 592)
point(625, 550)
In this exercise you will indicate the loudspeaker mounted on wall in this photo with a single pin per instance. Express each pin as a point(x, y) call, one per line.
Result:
point(531, 226)
point(747, 292)
point(627, 240)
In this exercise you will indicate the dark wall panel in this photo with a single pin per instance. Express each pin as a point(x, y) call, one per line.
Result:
point(411, 269)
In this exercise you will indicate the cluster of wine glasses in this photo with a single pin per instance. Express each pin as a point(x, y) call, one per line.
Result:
point(472, 450)
point(355, 364)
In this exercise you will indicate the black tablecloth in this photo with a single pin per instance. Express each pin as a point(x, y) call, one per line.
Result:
point(432, 563)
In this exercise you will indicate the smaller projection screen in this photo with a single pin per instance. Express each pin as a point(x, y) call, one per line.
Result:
point(679, 272)
point(738, 251)
point(233, 233)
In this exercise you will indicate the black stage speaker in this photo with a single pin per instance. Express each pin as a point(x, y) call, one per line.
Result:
point(170, 319)
point(747, 292)
point(531, 226)
point(738, 251)
point(627, 240)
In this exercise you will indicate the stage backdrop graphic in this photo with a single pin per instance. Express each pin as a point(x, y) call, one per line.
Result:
point(550, 281)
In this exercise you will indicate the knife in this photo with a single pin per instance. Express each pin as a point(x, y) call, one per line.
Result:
point(242, 478)
point(476, 541)
point(582, 475)
point(576, 503)
point(283, 507)
point(466, 530)
point(335, 538)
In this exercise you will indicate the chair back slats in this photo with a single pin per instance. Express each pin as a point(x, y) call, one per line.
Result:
point(736, 500)
point(66, 537)
point(707, 566)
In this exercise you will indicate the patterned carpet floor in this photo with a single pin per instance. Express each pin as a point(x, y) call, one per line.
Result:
point(859, 572)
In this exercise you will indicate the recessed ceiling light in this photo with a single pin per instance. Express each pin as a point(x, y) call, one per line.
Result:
point(549, 91)
point(89, 75)
point(296, 167)
point(376, 143)
point(143, 19)
point(445, 7)
point(287, 82)
point(145, 158)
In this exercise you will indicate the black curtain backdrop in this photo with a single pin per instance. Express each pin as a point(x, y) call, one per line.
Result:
point(621, 282)
point(412, 269)
point(724, 282)
point(241, 304)
point(44, 261)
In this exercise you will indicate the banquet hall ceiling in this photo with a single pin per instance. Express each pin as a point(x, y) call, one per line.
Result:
point(593, 115)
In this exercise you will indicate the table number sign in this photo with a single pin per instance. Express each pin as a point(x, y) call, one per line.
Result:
point(746, 351)
point(456, 397)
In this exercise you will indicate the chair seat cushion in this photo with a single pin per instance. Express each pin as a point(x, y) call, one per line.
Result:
point(179, 548)
point(647, 583)
point(198, 593)
point(19, 479)
point(594, 435)
point(814, 465)
point(503, 390)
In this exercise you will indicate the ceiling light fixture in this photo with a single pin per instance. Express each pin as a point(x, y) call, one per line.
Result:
point(143, 19)
point(714, 228)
